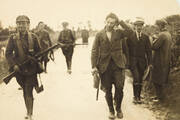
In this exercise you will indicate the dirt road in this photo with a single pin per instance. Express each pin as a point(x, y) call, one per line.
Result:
point(67, 97)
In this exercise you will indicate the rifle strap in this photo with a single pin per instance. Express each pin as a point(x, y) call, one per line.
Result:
point(31, 43)
point(40, 79)
point(20, 44)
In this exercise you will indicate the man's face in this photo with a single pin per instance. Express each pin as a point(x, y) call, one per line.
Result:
point(110, 23)
point(41, 26)
point(22, 26)
point(64, 26)
point(138, 27)
point(156, 30)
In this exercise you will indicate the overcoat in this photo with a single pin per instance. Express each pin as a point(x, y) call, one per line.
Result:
point(161, 58)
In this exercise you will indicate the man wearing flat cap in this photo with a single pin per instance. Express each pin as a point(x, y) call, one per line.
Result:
point(140, 56)
point(161, 59)
point(66, 37)
point(109, 59)
point(21, 46)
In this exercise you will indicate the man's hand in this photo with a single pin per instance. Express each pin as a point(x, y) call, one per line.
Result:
point(51, 56)
point(61, 44)
point(32, 58)
point(94, 71)
point(16, 68)
point(151, 66)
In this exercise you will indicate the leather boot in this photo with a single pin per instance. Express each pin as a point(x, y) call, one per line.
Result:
point(135, 98)
point(69, 67)
point(109, 101)
point(139, 87)
point(120, 114)
point(30, 106)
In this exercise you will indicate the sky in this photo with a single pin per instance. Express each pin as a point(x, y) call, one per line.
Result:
point(78, 12)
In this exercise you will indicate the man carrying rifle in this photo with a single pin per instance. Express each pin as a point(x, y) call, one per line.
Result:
point(45, 42)
point(66, 37)
point(21, 46)
point(108, 58)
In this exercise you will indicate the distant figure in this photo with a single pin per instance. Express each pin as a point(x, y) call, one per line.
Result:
point(161, 59)
point(74, 33)
point(21, 46)
point(66, 37)
point(140, 56)
point(84, 35)
point(45, 42)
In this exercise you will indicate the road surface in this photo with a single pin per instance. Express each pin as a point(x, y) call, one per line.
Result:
point(68, 97)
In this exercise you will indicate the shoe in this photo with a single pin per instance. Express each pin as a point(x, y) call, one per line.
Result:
point(111, 115)
point(28, 117)
point(135, 100)
point(120, 115)
point(20, 88)
point(139, 101)
point(69, 71)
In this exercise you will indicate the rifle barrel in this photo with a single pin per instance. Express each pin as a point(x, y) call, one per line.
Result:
point(97, 95)
point(7, 78)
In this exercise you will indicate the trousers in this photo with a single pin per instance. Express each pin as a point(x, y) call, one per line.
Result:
point(113, 76)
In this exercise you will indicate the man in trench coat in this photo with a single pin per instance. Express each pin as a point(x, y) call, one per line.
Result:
point(161, 59)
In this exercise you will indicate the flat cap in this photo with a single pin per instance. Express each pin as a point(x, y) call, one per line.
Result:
point(138, 21)
point(22, 18)
point(161, 22)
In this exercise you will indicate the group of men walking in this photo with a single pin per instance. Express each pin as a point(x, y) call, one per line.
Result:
point(113, 51)
point(24, 45)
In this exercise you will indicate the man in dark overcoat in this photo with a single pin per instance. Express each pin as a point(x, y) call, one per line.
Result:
point(161, 59)
point(85, 35)
point(21, 46)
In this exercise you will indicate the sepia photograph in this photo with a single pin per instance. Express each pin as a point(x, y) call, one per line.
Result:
point(90, 60)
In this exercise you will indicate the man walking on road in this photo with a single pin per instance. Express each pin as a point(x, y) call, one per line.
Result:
point(109, 60)
point(140, 56)
point(22, 46)
point(85, 35)
point(66, 37)
point(45, 42)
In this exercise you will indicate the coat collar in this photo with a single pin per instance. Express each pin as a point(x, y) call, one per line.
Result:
point(105, 35)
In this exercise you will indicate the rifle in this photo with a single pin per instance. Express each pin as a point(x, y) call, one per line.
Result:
point(52, 56)
point(7, 78)
point(80, 44)
point(73, 44)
